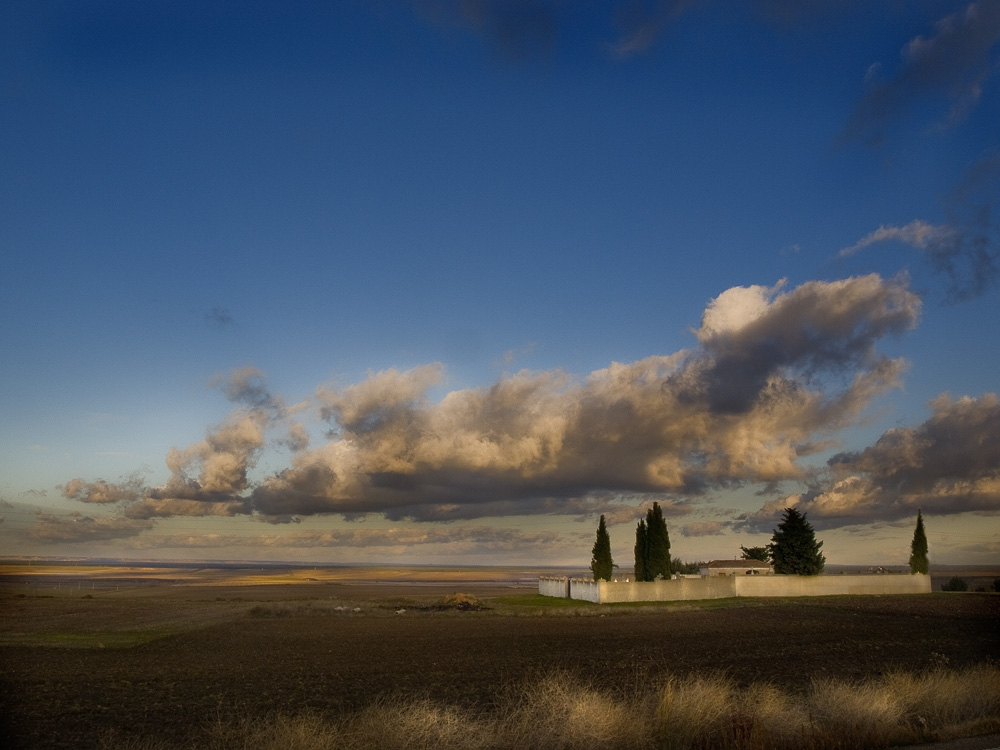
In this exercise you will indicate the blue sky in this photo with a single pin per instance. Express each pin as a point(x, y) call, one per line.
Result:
point(445, 281)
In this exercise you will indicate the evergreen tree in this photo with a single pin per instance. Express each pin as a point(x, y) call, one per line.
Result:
point(793, 548)
point(640, 551)
point(679, 566)
point(601, 563)
point(918, 548)
point(657, 545)
point(755, 553)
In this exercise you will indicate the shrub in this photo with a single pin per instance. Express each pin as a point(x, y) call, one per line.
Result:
point(694, 712)
point(683, 713)
point(461, 601)
point(955, 584)
point(560, 711)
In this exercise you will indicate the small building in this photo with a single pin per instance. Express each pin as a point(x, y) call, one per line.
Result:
point(736, 568)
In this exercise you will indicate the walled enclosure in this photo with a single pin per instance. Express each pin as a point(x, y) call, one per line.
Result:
point(723, 587)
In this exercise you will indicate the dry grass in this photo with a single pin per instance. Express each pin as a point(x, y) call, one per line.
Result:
point(561, 713)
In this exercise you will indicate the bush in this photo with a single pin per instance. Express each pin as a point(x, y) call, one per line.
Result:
point(955, 584)
point(461, 601)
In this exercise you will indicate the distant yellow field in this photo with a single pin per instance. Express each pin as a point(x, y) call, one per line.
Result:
point(249, 576)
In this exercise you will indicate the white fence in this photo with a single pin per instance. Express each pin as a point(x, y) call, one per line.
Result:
point(723, 587)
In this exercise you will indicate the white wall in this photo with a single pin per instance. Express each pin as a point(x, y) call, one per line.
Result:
point(721, 587)
point(548, 586)
point(831, 585)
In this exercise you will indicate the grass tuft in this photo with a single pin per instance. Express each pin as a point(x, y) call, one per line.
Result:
point(559, 712)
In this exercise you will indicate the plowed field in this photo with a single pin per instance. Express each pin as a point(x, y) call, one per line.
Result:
point(76, 665)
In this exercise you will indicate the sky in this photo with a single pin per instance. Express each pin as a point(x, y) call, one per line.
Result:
point(444, 281)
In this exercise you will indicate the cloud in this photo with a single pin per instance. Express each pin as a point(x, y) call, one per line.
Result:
point(796, 11)
point(951, 63)
point(100, 491)
point(78, 528)
point(704, 528)
point(248, 386)
point(775, 371)
point(521, 30)
point(219, 317)
point(966, 250)
point(518, 29)
point(210, 477)
point(769, 373)
point(750, 336)
point(949, 464)
point(165, 507)
point(472, 539)
point(642, 23)
point(917, 233)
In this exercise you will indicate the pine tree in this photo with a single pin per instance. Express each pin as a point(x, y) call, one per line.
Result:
point(601, 563)
point(640, 551)
point(794, 549)
point(918, 548)
point(657, 545)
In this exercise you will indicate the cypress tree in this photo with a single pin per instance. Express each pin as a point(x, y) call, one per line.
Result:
point(657, 545)
point(794, 549)
point(918, 548)
point(601, 563)
point(640, 551)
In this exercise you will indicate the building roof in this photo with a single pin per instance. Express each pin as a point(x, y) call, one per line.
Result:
point(737, 564)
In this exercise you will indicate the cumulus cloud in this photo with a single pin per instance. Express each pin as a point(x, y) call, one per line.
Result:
point(101, 492)
point(210, 477)
point(756, 340)
point(773, 368)
point(775, 371)
point(952, 63)
point(248, 386)
point(949, 464)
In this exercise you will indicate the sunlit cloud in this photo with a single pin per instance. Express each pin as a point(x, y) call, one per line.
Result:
point(917, 233)
point(100, 491)
point(774, 369)
point(948, 465)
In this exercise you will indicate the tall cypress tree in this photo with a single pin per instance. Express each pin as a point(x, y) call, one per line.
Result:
point(601, 563)
point(794, 549)
point(918, 548)
point(641, 542)
point(657, 545)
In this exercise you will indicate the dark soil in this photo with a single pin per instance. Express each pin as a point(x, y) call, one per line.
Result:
point(261, 661)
